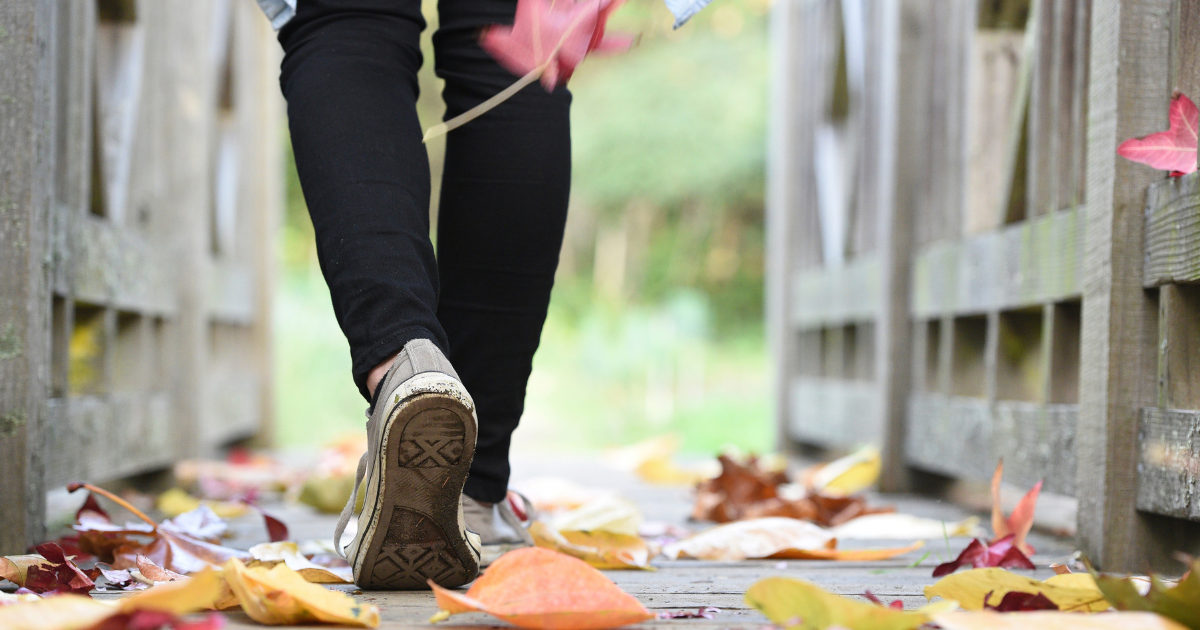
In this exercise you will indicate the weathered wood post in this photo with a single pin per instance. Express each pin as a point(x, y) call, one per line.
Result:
point(26, 136)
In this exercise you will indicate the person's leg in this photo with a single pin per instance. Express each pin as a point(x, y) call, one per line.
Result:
point(500, 227)
point(350, 78)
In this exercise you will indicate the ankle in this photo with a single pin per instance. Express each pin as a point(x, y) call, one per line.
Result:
point(378, 372)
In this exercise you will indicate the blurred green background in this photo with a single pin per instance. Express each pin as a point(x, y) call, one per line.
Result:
point(656, 321)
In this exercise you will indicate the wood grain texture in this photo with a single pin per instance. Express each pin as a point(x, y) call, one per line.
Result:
point(26, 167)
point(1128, 96)
point(1172, 230)
point(1169, 462)
point(1025, 264)
point(964, 437)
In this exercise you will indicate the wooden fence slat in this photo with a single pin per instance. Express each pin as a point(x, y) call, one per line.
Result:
point(1169, 462)
point(1172, 230)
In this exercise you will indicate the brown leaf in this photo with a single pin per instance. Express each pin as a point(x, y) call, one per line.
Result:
point(153, 572)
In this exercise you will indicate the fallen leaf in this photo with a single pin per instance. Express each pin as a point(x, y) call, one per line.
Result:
point(704, 612)
point(847, 475)
point(7, 599)
point(544, 590)
point(1001, 553)
point(1180, 602)
point(758, 538)
point(277, 531)
point(120, 579)
point(551, 37)
point(61, 612)
point(14, 568)
point(153, 572)
point(154, 620)
point(280, 596)
point(1172, 150)
point(180, 597)
point(602, 550)
point(57, 575)
point(1021, 520)
point(905, 527)
point(329, 493)
point(288, 553)
point(793, 603)
point(971, 589)
point(1016, 601)
point(846, 555)
point(605, 513)
point(895, 605)
point(747, 490)
point(176, 501)
point(201, 523)
point(556, 494)
point(1052, 621)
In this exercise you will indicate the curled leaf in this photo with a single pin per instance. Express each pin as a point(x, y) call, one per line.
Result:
point(280, 596)
point(975, 588)
point(602, 550)
point(544, 590)
point(1001, 553)
point(796, 604)
point(1021, 520)
point(288, 553)
point(1180, 602)
point(57, 575)
point(1172, 150)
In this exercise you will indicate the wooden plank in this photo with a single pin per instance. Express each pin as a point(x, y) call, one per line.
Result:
point(1041, 139)
point(26, 151)
point(995, 97)
point(106, 264)
point(1185, 48)
point(834, 412)
point(1026, 264)
point(837, 296)
point(102, 438)
point(1179, 347)
point(964, 437)
point(1169, 462)
point(1128, 96)
point(1172, 230)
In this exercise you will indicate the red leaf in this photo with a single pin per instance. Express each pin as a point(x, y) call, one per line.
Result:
point(277, 530)
point(1016, 601)
point(1001, 554)
point(1171, 150)
point(552, 35)
point(158, 620)
point(62, 576)
point(895, 605)
point(91, 509)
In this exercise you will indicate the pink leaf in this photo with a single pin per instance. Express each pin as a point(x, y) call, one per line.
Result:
point(1001, 553)
point(1171, 150)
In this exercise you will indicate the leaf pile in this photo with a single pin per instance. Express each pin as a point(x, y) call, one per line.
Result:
point(746, 491)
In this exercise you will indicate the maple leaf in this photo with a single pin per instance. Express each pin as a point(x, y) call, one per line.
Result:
point(1172, 150)
point(1002, 553)
point(58, 575)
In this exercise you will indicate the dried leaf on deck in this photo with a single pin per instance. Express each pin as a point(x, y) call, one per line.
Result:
point(846, 475)
point(602, 550)
point(758, 538)
point(1073, 592)
point(847, 555)
point(1001, 553)
point(288, 553)
point(176, 501)
point(61, 612)
point(749, 491)
point(606, 513)
point(151, 619)
point(153, 572)
point(280, 596)
point(199, 592)
point(1180, 602)
point(1052, 621)
point(55, 574)
point(792, 603)
point(1016, 601)
point(542, 589)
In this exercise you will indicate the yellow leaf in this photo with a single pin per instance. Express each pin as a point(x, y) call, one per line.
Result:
point(792, 603)
point(199, 592)
point(329, 493)
point(177, 501)
point(605, 513)
point(969, 588)
point(602, 550)
point(542, 589)
point(1053, 621)
point(850, 474)
point(280, 596)
point(61, 612)
point(664, 471)
point(286, 552)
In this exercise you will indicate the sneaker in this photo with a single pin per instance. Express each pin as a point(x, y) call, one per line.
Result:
point(420, 441)
point(501, 526)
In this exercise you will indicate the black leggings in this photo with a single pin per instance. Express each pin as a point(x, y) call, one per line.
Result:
point(350, 78)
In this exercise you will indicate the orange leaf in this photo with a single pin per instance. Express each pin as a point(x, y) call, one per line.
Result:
point(847, 555)
point(1021, 520)
point(544, 590)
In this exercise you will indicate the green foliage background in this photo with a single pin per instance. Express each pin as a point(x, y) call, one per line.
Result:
point(656, 318)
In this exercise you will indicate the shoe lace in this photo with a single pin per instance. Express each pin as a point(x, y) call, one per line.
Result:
point(365, 464)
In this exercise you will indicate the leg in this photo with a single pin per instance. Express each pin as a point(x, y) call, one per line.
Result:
point(350, 78)
point(500, 229)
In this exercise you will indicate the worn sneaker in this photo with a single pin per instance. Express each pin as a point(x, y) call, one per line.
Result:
point(420, 441)
point(501, 526)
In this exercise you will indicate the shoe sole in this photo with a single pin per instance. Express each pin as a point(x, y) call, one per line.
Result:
point(415, 534)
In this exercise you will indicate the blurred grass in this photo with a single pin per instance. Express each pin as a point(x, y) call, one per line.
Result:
point(668, 162)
